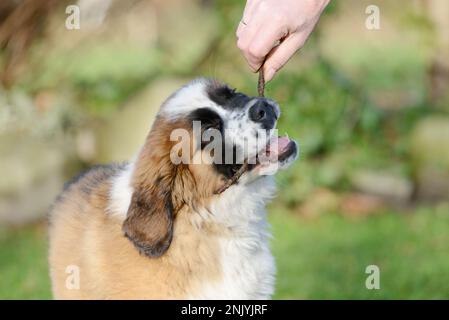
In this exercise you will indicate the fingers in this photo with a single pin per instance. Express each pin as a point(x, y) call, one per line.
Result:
point(282, 53)
point(260, 33)
point(270, 22)
point(244, 44)
point(256, 42)
point(263, 42)
point(247, 15)
point(249, 9)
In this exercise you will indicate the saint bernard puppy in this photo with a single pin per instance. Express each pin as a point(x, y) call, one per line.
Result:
point(156, 227)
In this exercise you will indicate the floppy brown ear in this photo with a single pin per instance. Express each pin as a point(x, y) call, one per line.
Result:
point(155, 200)
point(149, 222)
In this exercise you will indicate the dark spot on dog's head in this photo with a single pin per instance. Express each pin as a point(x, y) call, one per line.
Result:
point(207, 117)
point(226, 97)
point(220, 94)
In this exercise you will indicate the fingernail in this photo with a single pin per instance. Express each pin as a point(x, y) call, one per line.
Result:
point(269, 74)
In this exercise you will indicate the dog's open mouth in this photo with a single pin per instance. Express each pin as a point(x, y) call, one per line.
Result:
point(278, 149)
point(278, 152)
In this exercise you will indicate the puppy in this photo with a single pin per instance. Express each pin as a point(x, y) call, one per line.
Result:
point(156, 227)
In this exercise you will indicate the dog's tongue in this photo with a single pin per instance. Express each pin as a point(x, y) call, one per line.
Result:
point(277, 145)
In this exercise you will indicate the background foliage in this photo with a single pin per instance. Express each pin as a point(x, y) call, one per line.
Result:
point(368, 107)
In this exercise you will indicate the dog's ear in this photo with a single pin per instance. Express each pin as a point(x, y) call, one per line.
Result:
point(149, 221)
point(156, 198)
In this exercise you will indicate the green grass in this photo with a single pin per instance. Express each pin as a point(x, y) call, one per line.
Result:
point(326, 258)
point(23, 264)
point(323, 258)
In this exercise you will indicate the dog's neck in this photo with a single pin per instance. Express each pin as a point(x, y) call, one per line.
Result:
point(239, 210)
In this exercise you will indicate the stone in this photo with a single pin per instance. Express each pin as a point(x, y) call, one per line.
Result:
point(432, 184)
point(430, 142)
point(389, 186)
point(430, 156)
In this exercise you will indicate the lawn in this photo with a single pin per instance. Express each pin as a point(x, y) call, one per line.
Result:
point(23, 264)
point(326, 258)
point(323, 258)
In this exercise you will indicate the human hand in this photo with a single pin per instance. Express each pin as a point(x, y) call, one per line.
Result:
point(273, 30)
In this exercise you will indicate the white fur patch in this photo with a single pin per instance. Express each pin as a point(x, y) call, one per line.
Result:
point(189, 98)
point(246, 261)
point(121, 193)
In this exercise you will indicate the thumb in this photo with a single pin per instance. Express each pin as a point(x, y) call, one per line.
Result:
point(281, 54)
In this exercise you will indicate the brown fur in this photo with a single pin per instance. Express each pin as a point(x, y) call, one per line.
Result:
point(173, 255)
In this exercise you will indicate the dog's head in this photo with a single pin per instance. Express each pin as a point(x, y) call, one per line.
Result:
point(201, 137)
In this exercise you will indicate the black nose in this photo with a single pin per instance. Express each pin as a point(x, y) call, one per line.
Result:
point(264, 113)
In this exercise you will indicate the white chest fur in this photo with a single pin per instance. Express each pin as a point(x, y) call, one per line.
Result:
point(247, 264)
point(247, 273)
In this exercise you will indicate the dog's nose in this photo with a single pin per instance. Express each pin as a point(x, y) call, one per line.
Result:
point(263, 112)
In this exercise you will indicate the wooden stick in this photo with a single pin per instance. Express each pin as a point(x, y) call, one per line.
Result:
point(261, 83)
point(234, 178)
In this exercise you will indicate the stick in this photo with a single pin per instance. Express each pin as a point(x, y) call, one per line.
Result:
point(234, 178)
point(261, 83)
